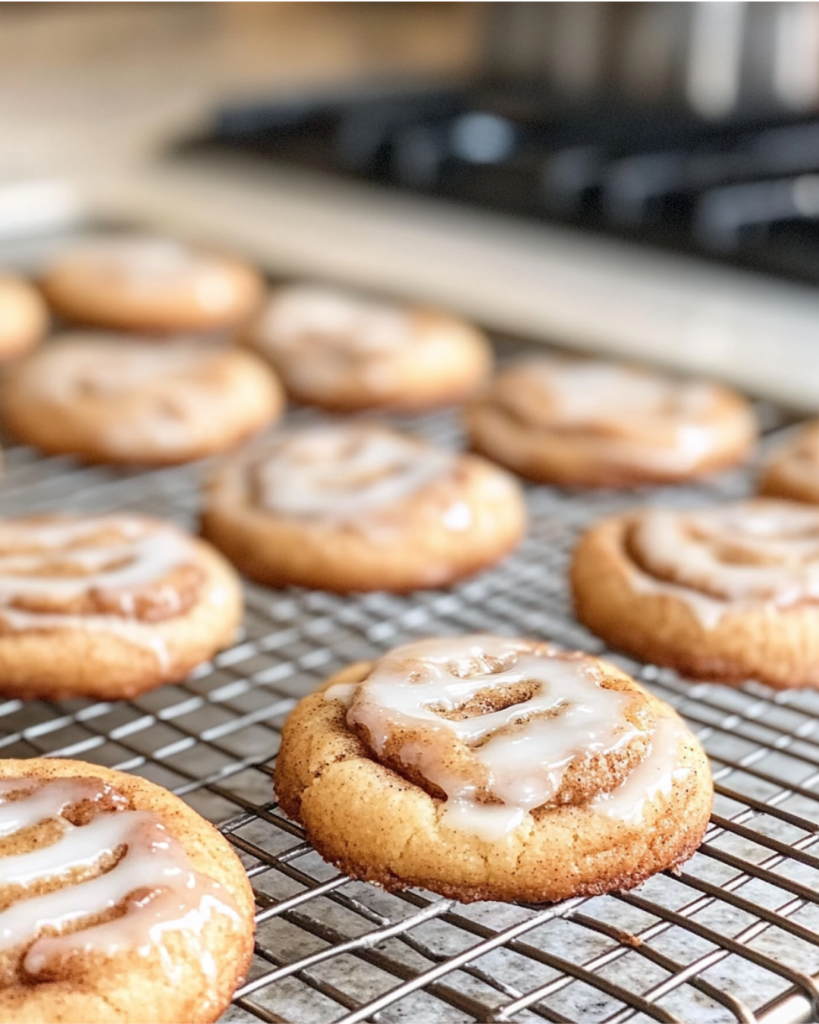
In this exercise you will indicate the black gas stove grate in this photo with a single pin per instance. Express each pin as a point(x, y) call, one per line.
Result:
point(745, 193)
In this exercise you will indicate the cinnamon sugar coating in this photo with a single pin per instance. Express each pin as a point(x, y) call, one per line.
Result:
point(377, 819)
point(107, 607)
point(124, 973)
point(585, 776)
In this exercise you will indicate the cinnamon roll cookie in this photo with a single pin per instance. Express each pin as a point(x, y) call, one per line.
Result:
point(120, 905)
point(345, 352)
point(588, 423)
point(485, 768)
point(114, 399)
point(793, 470)
point(152, 285)
point(728, 593)
point(360, 507)
point(23, 316)
point(108, 606)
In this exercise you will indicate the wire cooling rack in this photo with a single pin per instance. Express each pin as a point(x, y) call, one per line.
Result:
point(733, 936)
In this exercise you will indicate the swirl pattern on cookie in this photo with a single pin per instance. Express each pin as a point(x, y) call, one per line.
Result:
point(500, 728)
point(346, 351)
point(588, 421)
point(115, 399)
point(350, 507)
point(749, 553)
point(94, 875)
point(345, 473)
point(490, 768)
point(727, 593)
point(113, 574)
point(178, 382)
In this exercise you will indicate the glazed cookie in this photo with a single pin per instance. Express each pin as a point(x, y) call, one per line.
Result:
point(793, 470)
point(120, 905)
point(345, 352)
point(152, 285)
point(108, 606)
point(484, 768)
point(114, 399)
point(587, 423)
point(360, 507)
point(23, 316)
point(727, 593)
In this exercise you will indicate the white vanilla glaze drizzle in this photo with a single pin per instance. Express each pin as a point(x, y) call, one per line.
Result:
point(344, 473)
point(332, 320)
point(653, 777)
point(635, 416)
point(762, 553)
point(63, 559)
point(150, 864)
point(588, 391)
point(161, 394)
point(524, 749)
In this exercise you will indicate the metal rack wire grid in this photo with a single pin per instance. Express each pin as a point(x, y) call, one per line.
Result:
point(733, 936)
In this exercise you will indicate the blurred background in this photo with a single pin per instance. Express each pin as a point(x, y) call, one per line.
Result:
point(639, 178)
